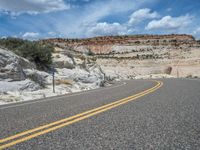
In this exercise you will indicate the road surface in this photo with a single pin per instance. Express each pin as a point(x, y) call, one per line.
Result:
point(136, 114)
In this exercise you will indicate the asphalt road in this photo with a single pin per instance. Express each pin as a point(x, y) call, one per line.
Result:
point(164, 115)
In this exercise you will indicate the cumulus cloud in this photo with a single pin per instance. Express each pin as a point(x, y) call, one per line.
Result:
point(51, 33)
point(32, 6)
point(94, 13)
point(141, 15)
point(170, 23)
point(197, 31)
point(30, 35)
point(105, 28)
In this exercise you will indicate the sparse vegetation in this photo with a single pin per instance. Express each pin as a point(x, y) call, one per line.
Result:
point(168, 70)
point(137, 42)
point(35, 52)
point(90, 53)
point(64, 81)
point(37, 79)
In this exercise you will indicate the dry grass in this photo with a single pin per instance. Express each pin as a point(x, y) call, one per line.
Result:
point(57, 56)
point(81, 57)
point(64, 81)
point(57, 50)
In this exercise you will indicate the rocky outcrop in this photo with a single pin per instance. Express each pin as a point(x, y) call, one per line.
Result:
point(11, 66)
point(13, 76)
point(138, 55)
point(76, 67)
point(63, 59)
point(83, 64)
point(20, 80)
point(109, 44)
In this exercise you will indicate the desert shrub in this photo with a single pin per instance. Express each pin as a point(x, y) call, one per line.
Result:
point(189, 76)
point(93, 58)
point(137, 42)
point(37, 79)
point(81, 57)
point(168, 70)
point(35, 52)
point(90, 53)
point(41, 55)
point(11, 43)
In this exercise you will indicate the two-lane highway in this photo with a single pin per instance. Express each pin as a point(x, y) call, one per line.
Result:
point(136, 114)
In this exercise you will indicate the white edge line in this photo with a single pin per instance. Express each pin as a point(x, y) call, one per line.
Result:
point(56, 97)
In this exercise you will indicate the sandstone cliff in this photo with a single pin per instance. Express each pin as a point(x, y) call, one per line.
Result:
point(112, 44)
point(139, 55)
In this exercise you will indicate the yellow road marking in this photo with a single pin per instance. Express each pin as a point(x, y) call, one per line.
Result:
point(67, 121)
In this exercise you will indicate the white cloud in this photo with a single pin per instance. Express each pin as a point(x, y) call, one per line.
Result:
point(197, 31)
point(105, 28)
point(30, 35)
point(99, 10)
point(170, 23)
point(141, 15)
point(17, 7)
point(51, 33)
point(3, 37)
point(94, 13)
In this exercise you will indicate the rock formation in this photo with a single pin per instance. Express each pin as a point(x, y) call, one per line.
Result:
point(20, 80)
point(83, 64)
point(139, 55)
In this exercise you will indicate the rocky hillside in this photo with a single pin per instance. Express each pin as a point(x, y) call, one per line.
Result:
point(121, 44)
point(82, 64)
point(20, 79)
point(139, 55)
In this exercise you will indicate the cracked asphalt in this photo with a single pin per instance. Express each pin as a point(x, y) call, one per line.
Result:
point(168, 118)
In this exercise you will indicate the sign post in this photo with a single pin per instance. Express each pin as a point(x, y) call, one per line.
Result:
point(53, 79)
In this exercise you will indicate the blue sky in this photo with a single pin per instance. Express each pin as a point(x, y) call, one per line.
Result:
point(36, 19)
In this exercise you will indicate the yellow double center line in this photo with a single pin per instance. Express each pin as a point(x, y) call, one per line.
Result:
point(32, 133)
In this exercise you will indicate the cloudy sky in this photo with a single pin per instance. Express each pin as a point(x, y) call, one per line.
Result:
point(36, 19)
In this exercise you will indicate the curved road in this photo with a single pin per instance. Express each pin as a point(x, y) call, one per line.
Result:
point(136, 114)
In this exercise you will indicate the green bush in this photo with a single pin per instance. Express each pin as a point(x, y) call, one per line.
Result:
point(35, 52)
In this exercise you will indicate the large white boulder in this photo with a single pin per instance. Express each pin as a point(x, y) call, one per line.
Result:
point(11, 66)
point(26, 85)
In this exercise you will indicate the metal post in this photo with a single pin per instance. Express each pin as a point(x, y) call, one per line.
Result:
point(53, 82)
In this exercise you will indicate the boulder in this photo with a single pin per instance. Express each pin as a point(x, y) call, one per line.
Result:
point(11, 66)
point(27, 85)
